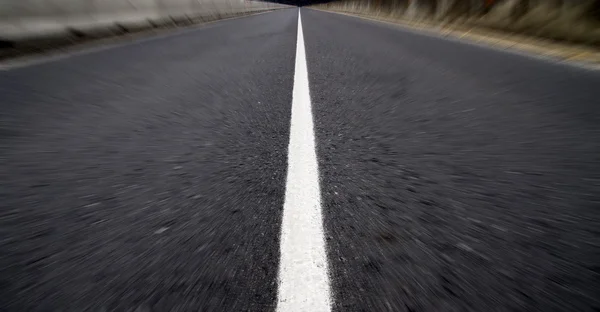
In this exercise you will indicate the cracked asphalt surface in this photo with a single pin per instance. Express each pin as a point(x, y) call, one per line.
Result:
point(151, 176)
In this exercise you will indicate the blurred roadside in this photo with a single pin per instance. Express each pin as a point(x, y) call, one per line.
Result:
point(33, 26)
point(567, 30)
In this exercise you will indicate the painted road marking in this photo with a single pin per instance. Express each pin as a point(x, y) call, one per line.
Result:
point(303, 278)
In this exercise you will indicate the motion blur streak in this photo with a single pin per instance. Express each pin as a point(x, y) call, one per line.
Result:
point(24, 19)
point(568, 20)
point(152, 176)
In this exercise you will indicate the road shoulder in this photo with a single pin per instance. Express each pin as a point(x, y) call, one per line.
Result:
point(575, 55)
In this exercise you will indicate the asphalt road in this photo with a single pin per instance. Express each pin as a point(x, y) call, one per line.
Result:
point(152, 176)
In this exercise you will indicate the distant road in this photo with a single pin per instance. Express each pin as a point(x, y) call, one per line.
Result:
point(182, 173)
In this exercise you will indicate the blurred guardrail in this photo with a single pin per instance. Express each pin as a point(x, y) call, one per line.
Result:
point(30, 19)
point(565, 20)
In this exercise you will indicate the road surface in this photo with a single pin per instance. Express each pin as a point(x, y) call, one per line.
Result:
point(182, 173)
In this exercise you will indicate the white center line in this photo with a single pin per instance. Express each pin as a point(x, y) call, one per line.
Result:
point(303, 278)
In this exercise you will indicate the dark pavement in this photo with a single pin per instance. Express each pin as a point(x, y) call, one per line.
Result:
point(454, 178)
point(151, 176)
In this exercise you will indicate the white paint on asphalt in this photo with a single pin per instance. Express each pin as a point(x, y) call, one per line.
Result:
point(303, 277)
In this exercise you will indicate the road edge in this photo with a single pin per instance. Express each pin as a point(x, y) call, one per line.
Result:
point(582, 60)
point(107, 43)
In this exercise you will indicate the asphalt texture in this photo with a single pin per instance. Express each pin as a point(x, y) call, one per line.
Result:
point(454, 177)
point(151, 176)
